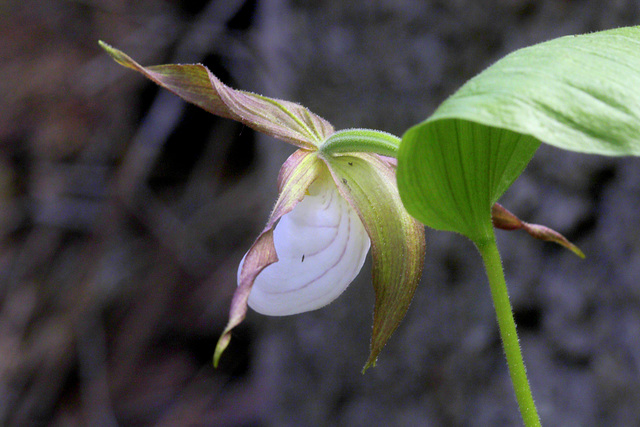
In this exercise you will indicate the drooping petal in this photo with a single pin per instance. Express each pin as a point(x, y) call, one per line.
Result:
point(194, 83)
point(368, 183)
point(505, 220)
point(321, 246)
point(302, 168)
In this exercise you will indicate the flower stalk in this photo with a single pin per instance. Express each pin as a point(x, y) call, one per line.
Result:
point(361, 141)
point(489, 251)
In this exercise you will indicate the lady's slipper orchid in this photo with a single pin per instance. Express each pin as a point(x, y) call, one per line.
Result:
point(337, 198)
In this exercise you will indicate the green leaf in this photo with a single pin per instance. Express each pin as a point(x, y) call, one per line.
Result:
point(451, 172)
point(579, 93)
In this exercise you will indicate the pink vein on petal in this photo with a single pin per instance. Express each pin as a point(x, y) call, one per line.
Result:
point(330, 243)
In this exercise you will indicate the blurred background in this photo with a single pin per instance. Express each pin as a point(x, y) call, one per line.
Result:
point(124, 213)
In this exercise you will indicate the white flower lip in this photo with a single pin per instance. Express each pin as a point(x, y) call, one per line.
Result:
point(321, 246)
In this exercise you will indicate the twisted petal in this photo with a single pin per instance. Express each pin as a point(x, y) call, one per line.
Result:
point(368, 183)
point(300, 170)
point(321, 246)
point(194, 83)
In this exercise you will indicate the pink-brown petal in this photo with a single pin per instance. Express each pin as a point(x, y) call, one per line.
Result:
point(194, 83)
point(301, 169)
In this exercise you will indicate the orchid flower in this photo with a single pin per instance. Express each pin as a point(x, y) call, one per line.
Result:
point(337, 199)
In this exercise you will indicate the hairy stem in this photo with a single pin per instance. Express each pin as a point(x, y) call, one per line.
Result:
point(491, 257)
point(361, 141)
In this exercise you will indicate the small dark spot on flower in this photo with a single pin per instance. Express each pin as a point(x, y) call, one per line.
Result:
point(302, 260)
point(344, 180)
point(350, 163)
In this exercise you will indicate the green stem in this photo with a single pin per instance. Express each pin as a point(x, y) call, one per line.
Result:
point(361, 141)
point(491, 257)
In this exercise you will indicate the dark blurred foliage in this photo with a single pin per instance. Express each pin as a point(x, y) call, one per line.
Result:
point(124, 213)
point(122, 216)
